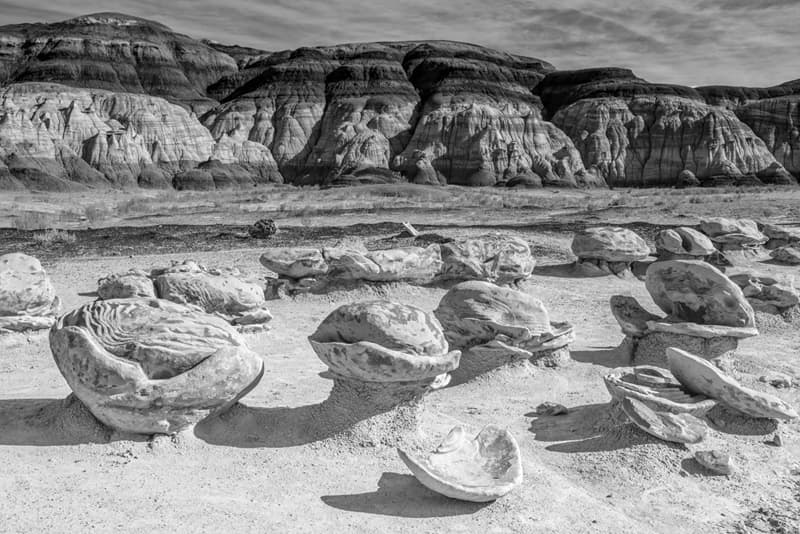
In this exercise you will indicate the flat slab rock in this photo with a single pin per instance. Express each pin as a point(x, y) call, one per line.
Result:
point(610, 244)
point(695, 291)
point(677, 428)
point(701, 377)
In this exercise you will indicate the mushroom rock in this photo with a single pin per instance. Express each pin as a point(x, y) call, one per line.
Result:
point(701, 377)
point(216, 292)
point(494, 258)
point(678, 428)
point(497, 326)
point(27, 298)
point(383, 358)
point(152, 366)
point(405, 263)
point(608, 250)
point(765, 294)
point(786, 255)
point(683, 243)
point(738, 239)
point(657, 389)
point(130, 284)
point(707, 313)
point(479, 470)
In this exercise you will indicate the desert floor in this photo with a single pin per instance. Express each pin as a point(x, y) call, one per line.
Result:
point(253, 470)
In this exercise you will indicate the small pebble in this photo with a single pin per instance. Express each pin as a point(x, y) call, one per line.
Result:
point(716, 461)
point(551, 408)
point(776, 440)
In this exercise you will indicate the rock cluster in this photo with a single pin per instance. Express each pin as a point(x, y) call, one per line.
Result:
point(27, 298)
point(219, 292)
point(706, 312)
point(496, 326)
point(683, 243)
point(607, 250)
point(383, 357)
point(500, 259)
point(152, 366)
point(737, 239)
point(765, 294)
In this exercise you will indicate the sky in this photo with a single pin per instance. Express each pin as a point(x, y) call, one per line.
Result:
point(689, 42)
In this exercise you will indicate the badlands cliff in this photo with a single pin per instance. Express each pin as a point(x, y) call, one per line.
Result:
point(109, 100)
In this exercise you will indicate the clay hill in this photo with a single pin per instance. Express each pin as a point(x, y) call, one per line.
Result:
point(109, 100)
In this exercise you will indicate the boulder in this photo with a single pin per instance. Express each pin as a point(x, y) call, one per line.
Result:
point(683, 242)
point(687, 178)
point(479, 470)
point(717, 462)
point(610, 244)
point(216, 292)
point(494, 258)
point(694, 291)
point(780, 236)
point(701, 377)
point(262, 229)
point(27, 298)
point(786, 255)
point(765, 294)
point(152, 366)
point(134, 283)
point(295, 262)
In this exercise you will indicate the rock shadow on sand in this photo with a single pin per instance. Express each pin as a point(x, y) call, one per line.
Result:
point(402, 496)
point(612, 357)
point(47, 422)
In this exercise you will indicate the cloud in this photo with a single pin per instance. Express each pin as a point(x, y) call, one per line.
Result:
point(692, 42)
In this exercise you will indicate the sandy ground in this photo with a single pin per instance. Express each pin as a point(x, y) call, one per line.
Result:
point(584, 471)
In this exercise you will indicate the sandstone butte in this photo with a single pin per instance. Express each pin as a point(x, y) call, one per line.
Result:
point(110, 100)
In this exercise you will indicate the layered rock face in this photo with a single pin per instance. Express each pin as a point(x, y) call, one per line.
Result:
point(124, 94)
point(639, 134)
point(114, 52)
point(53, 136)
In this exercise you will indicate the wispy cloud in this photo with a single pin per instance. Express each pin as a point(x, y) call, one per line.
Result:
point(693, 42)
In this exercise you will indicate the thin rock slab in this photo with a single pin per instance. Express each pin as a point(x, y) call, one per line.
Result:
point(630, 315)
point(658, 389)
point(701, 377)
point(479, 470)
point(694, 291)
point(152, 366)
point(677, 428)
point(27, 298)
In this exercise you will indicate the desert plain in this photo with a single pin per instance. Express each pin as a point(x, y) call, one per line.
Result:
point(255, 468)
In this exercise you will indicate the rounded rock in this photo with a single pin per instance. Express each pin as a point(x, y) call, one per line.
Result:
point(610, 244)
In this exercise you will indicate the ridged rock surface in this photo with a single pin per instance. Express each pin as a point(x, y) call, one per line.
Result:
point(425, 112)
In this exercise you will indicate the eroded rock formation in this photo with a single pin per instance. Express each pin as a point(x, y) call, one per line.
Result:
point(424, 112)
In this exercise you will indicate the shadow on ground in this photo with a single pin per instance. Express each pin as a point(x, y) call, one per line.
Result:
point(45, 422)
point(402, 496)
point(611, 357)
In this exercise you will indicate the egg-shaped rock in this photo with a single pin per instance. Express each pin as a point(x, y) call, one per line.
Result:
point(610, 244)
point(27, 298)
point(684, 241)
point(152, 366)
point(694, 291)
